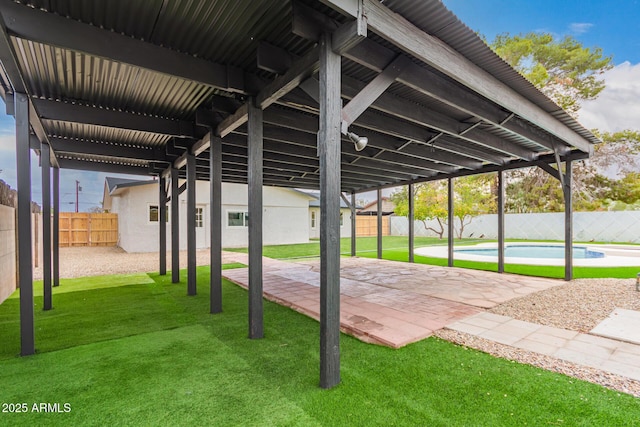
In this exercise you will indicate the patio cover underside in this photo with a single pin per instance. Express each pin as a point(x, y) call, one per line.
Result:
point(130, 87)
point(270, 92)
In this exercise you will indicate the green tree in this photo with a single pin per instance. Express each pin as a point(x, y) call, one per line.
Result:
point(430, 203)
point(472, 197)
point(564, 70)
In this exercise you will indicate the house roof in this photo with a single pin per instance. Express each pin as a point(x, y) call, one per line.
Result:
point(387, 206)
point(114, 183)
point(129, 87)
point(315, 199)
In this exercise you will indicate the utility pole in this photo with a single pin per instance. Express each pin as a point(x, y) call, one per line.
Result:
point(78, 190)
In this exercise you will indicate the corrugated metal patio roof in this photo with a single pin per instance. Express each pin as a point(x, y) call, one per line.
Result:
point(129, 105)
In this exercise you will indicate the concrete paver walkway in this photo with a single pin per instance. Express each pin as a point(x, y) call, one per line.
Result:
point(609, 355)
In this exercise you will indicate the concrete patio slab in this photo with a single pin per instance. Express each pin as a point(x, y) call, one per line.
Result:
point(621, 325)
point(478, 288)
point(386, 302)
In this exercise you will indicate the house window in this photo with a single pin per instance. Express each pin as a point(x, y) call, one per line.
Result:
point(199, 217)
point(154, 213)
point(237, 219)
point(313, 219)
point(341, 219)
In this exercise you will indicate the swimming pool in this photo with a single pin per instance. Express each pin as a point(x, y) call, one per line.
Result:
point(534, 251)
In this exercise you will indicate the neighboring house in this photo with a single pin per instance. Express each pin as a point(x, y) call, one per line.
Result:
point(136, 203)
point(372, 208)
point(314, 216)
point(286, 216)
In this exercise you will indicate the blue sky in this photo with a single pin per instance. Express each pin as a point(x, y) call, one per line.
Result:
point(613, 25)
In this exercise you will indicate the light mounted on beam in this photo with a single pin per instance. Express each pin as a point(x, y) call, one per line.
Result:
point(360, 142)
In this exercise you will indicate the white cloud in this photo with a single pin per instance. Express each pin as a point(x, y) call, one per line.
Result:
point(579, 27)
point(618, 106)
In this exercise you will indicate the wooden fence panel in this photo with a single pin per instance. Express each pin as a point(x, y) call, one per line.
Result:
point(88, 229)
point(368, 225)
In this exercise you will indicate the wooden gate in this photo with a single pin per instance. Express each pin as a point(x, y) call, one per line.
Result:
point(368, 225)
point(88, 229)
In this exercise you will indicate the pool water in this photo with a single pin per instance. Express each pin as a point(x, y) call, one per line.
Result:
point(534, 251)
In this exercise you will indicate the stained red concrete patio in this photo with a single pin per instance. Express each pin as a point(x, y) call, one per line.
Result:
point(387, 302)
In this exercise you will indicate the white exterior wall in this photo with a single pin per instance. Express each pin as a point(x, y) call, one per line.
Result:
point(284, 217)
point(345, 229)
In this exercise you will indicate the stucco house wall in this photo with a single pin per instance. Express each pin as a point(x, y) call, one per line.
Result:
point(314, 222)
point(285, 216)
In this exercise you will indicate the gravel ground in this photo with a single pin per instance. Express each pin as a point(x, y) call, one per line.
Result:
point(97, 261)
point(579, 305)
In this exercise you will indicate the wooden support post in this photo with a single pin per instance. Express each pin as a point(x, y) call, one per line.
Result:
point(23, 219)
point(191, 224)
point(411, 222)
point(354, 224)
point(175, 228)
point(255, 178)
point(379, 223)
point(45, 161)
point(450, 219)
point(329, 152)
point(56, 227)
point(500, 221)
point(568, 222)
point(215, 201)
point(162, 223)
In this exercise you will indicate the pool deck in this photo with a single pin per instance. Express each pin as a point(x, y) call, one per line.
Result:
point(615, 255)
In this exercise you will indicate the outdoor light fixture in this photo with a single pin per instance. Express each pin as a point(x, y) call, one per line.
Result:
point(359, 141)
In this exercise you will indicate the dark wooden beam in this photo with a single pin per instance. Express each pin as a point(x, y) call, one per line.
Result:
point(56, 227)
point(191, 225)
point(97, 166)
point(420, 115)
point(162, 224)
point(568, 221)
point(215, 201)
point(45, 159)
point(40, 26)
point(450, 218)
point(411, 218)
point(372, 91)
point(123, 151)
point(329, 153)
point(379, 223)
point(273, 59)
point(11, 67)
point(434, 52)
point(501, 193)
point(309, 23)
point(255, 182)
point(23, 219)
point(354, 224)
point(175, 227)
point(79, 113)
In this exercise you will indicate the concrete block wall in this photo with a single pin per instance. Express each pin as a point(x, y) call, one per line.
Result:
point(7, 252)
point(615, 227)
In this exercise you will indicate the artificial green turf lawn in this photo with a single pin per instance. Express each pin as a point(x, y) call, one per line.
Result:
point(395, 249)
point(175, 364)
